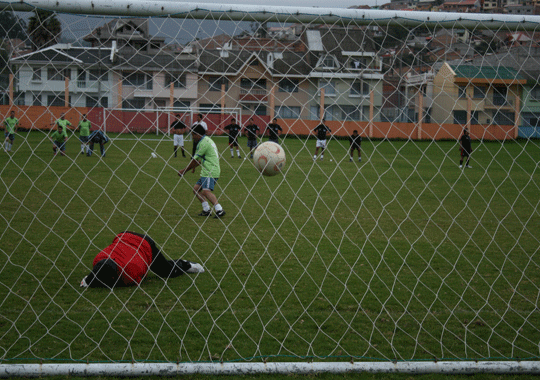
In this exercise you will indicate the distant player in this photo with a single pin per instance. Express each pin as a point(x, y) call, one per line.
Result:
point(63, 122)
point(10, 124)
point(200, 122)
point(233, 130)
point(321, 130)
point(126, 262)
point(84, 133)
point(178, 128)
point(207, 155)
point(59, 139)
point(356, 143)
point(251, 131)
point(465, 148)
point(273, 131)
point(97, 137)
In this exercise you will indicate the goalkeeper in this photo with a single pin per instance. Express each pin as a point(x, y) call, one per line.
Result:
point(126, 261)
point(97, 137)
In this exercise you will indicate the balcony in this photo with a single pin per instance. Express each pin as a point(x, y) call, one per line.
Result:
point(253, 95)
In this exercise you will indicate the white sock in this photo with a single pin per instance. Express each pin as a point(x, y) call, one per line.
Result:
point(314, 156)
point(238, 152)
point(322, 156)
point(232, 152)
point(6, 145)
point(205, 206)
point(9, 145)
point(218, 207)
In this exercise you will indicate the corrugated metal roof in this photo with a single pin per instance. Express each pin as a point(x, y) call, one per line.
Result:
point(485, 72)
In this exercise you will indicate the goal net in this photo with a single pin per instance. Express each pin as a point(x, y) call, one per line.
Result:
point(402, 236)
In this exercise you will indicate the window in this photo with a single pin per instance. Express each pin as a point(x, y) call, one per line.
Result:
point(58, 74)
point(504, 118)
point(36, 74)
point(136, 103)
point(479, 92)
point(181, 104)
point(460, 117)
point(209, 107)
point(462, 92)
point(286, 112)
point(138, 80)
point(57, 100)
point(253, 85)
point(97, 74)
point(93, 102)
point(36, 100)
point(359, 88)
point(474, 117)
point(179, 81)
point(288, 85)
point(535, 93)
point(328, 62)
point(329, 87)
point(81, 78)
point(531, 120)
point(214, 83)
point(349, 112)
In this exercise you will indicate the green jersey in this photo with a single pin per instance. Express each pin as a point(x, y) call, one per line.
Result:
point(84, 128)
point(207, 154)
point(59, 136)
point(64, 123)
point(10, 124)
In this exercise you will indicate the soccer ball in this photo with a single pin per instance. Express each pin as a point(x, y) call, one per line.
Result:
point(269, 158)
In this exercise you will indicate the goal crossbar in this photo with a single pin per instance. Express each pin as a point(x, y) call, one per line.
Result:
point(236, 12)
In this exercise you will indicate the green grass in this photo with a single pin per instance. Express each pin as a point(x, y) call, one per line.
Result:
point(403, 256)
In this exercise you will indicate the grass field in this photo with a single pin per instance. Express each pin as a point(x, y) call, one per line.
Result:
point(402, 256)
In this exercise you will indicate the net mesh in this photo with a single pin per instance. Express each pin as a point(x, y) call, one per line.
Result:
point(406, 254)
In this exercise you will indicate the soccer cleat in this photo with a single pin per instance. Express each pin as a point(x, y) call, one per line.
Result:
point(350, 159)
point(83, 283)
point(219, 214)
point(359, 159)
point(205, 213)
point(195, 268)
point(460, 166)
point(469, 166)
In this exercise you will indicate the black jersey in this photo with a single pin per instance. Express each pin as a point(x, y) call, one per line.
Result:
point(252, 130)
point(178, 124)
point(233, 130)
point(322, 130)
point(466, 143)
point(355, 140)
point(273, 131)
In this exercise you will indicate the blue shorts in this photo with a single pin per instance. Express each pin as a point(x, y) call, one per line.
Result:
point(61, 145)
point(207, 183)
point(10, 136)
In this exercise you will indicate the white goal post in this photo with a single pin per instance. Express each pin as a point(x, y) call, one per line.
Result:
point(404, 263)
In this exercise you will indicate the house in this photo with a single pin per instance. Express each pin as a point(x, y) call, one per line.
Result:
point(468, 94)
point(46, 76)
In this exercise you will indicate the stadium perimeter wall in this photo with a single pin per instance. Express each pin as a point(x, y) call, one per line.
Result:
point(43, 118)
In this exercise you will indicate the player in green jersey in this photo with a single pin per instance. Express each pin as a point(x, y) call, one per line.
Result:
point(10, 124)
point(58, 139)
point(207, 156)
point(63, 122)
point(84, 133)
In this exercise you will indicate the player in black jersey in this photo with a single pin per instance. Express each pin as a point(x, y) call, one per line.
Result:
point(356, 142)
point(233, 130)
point(273, 131)
point(251, 131)
point(465, 148)
point(178, 128)
point(322, 130)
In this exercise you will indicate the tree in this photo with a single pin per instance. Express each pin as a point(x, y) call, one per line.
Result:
point(44, 29)
point(11, 26)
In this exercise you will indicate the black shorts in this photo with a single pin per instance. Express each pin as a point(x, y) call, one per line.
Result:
point(355, 146)
point(233, 141)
